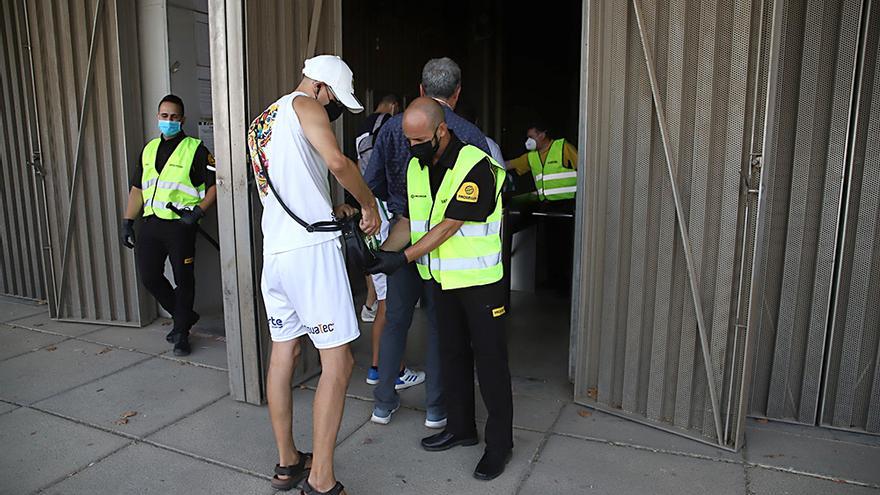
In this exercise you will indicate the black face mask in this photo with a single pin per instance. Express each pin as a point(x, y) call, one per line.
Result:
point(425, 151)
point(333, 109)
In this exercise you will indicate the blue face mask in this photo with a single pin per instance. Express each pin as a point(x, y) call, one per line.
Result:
point(169, 128)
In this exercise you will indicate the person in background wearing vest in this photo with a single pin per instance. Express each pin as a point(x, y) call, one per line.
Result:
point(178, 169)
point(553, 166)
point(552, 162)
point(374, 308)
point(453, 224)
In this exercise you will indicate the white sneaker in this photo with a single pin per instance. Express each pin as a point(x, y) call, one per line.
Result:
point(382, 416)
point(409, 378)
point(368, 314)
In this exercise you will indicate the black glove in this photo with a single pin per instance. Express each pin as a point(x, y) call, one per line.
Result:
point(191, 217)
point(126, 233)
point(387, 262)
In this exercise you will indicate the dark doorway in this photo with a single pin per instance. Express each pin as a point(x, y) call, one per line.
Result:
point(519, 64)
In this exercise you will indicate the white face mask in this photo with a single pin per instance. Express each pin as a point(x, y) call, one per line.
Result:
point(531, 144)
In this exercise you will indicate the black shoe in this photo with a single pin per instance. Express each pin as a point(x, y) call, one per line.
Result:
point(491, 465)
point(172, 335)
point(181, 347)
point(445, 441)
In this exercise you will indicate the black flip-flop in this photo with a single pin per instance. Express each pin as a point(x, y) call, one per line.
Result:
point(307, 489)
point(295, 473)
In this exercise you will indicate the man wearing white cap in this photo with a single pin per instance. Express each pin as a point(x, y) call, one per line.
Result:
point(304, 282)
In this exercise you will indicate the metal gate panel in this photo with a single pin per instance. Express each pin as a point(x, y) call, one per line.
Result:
point(86, 87)
point(21, 256)
point(852, 397)
point(684, 112)
point(804, 162)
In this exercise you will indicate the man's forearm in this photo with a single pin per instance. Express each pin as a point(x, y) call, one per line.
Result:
point(210, 198)
point(434, 238)
point(135, 203)
point(350, 178)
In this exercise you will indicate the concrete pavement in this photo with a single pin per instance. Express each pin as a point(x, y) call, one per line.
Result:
point(99, 410)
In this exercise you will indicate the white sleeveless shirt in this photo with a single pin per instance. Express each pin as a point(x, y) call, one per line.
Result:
point(299, 175)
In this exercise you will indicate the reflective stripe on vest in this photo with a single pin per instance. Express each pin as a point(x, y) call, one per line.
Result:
point(173, 184)
point(467, 229)
point(472, 256)
point(552, 180)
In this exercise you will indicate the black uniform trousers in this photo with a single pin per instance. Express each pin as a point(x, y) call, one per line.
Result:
point(160, 239)
point(471, 325)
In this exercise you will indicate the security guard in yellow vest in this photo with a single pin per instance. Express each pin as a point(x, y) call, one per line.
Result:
point(454, 220)
point(178, 169)
point(552, 163)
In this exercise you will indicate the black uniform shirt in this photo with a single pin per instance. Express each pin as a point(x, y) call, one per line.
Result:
point(201, 172)
point(475, 198)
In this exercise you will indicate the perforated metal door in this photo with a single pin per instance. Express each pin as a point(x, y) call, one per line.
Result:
point(852, 395)
point(668, 115)
point(804, 166)
point(816, 318)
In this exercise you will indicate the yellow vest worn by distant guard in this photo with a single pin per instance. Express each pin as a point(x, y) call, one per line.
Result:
point(552, 181)
point(173, 184)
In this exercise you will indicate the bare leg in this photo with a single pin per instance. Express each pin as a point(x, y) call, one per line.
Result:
point(378, 325)
point(336, 365)
point(371, 292)
point(283, 361)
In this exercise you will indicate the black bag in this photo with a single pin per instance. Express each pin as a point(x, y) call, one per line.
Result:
point(356, 248)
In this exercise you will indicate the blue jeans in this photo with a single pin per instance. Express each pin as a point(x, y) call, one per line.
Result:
point(404, 288)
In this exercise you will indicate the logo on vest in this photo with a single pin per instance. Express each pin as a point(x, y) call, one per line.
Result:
point(496, 312)
point(468, 193)
point(420, 196)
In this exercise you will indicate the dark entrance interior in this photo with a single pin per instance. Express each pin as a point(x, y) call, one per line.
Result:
point(518, 64)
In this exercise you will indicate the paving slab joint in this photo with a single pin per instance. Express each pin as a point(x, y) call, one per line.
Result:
point(809, 474)
point(163, 355)
point(536, 456)
point(186, 416)
point(741, 462)
point(166, 357)
point(645, 448)
point(77, 471)
point(747, 479)
point(135, 439)
point(36, 348)
point(132, 365)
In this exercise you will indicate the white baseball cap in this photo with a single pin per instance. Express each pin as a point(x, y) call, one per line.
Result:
point(334, 72)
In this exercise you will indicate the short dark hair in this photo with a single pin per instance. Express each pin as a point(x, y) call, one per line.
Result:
point(173, 99)
point(541, 126)
point(390, 99)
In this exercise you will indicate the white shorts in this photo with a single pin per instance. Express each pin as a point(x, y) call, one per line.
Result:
point(380, 280)
point(306, 291)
